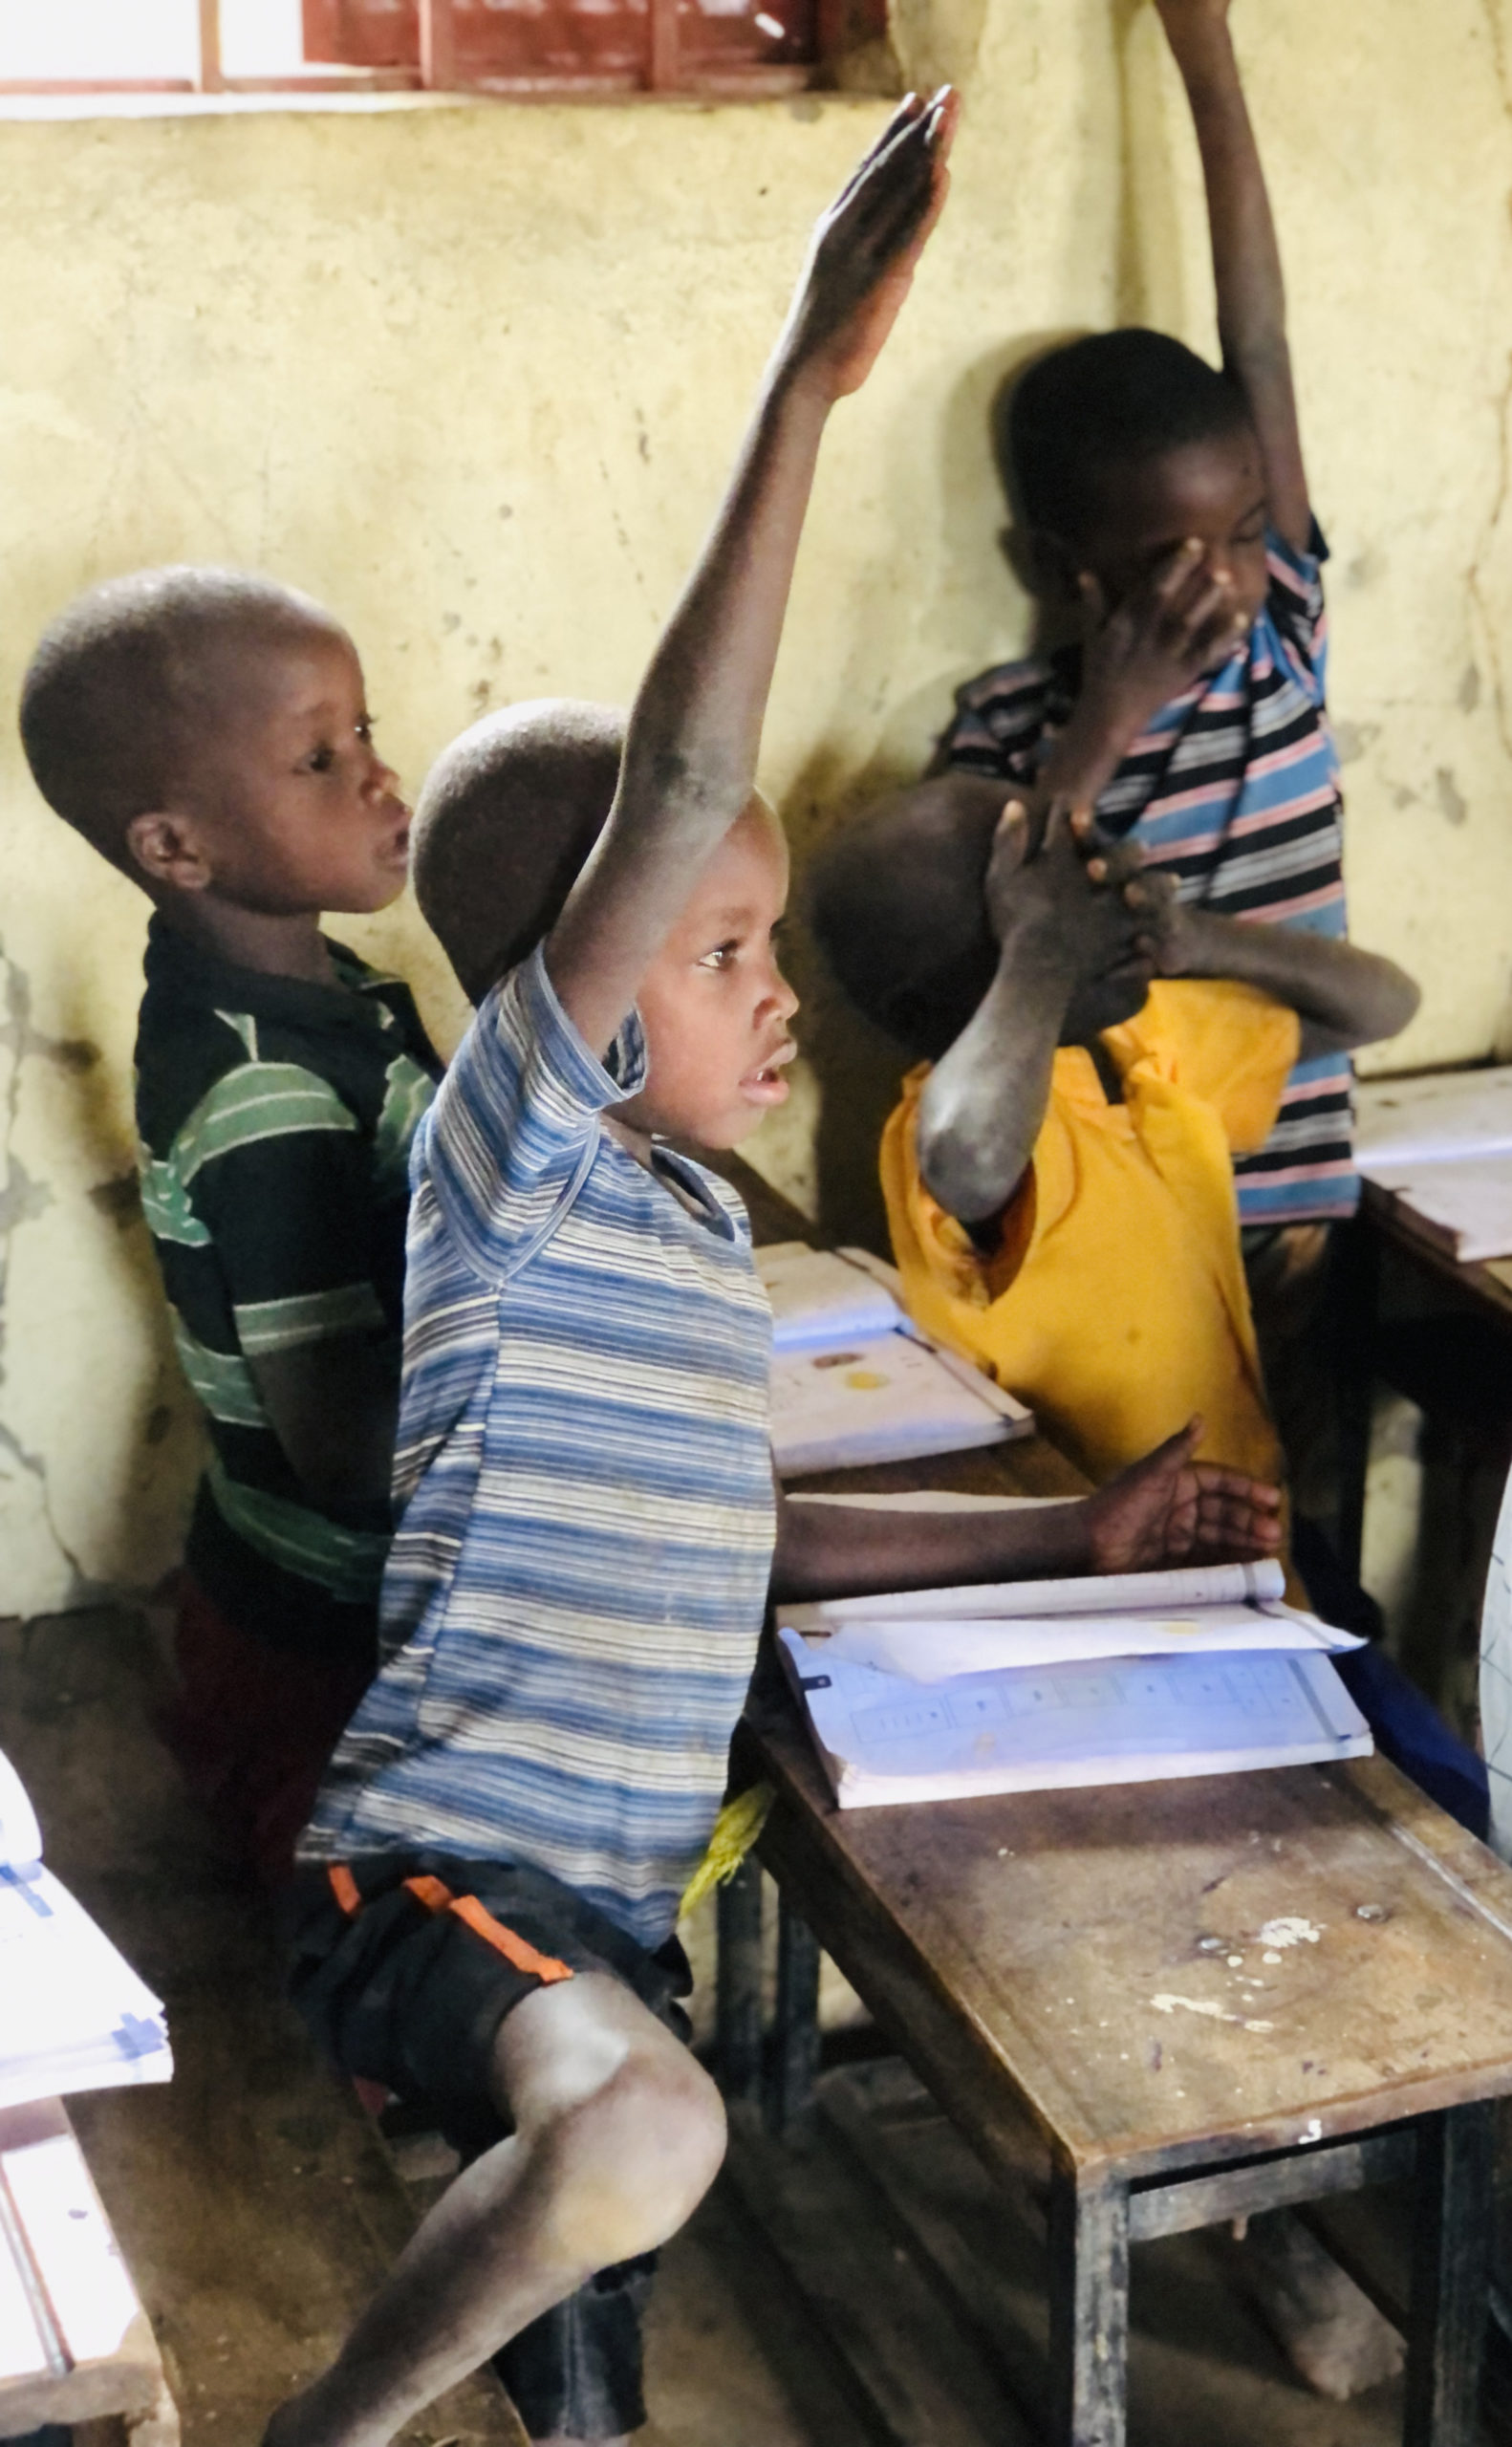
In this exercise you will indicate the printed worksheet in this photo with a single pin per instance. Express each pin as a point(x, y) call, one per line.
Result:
point(1123, 1720)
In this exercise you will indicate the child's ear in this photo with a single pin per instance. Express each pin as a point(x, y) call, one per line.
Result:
point(166, 850)
point(1043, 564)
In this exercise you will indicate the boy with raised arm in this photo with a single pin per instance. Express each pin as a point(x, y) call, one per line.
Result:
point(589, 1531)
point(1162, 506)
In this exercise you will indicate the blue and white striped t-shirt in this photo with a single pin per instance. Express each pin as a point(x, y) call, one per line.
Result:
point(1235, 787)
point(573, 1601)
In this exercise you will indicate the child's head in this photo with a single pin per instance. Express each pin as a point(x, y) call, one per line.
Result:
point(898, 903)
point(505, 822)
point(1116, 448)
point(208, 731)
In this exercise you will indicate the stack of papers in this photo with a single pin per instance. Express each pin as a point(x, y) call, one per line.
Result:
point(1027, 1686)
point(74, 2015)
point(1442, 1145)
point(855, 1380)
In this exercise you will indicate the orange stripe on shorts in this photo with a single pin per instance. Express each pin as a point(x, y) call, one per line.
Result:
point(545, 1967)
point(344, 1887)
point(430, 1892)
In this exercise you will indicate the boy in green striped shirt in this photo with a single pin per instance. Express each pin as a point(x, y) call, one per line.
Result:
point(207, 732)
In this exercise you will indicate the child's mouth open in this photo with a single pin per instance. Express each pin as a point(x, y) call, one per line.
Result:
point(765, 1085)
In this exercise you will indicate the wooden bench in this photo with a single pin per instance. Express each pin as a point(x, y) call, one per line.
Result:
point(76, 2346)
point(256, 2205)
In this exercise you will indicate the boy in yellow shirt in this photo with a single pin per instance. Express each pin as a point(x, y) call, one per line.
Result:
point(1058, 1175)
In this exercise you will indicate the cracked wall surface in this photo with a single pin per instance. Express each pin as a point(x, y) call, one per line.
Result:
point(473, 375)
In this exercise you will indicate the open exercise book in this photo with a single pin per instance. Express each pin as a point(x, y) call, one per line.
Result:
point(1030, 1686)
point(1442, 1146)
point(852, 1377)
point(74, 2015)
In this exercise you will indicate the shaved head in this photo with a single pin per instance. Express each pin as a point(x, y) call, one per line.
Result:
point(126, 684)
point(504, 824)
point(896, 900)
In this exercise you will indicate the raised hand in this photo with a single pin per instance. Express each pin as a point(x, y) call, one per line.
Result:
point(1077, 905)
point(1170, 1509)
point(864, 250)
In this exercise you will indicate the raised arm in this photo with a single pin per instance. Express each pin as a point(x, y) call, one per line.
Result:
point(1343, 996)
point(983, 1102)
point(689, 764)
point(1246, 260)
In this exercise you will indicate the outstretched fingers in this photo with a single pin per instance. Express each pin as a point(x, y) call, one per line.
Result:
point(898, 193)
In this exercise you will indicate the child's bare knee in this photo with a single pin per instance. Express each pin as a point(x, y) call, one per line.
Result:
point(636, 2159)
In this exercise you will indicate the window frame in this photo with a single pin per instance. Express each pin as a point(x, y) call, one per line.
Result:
point(437, 71)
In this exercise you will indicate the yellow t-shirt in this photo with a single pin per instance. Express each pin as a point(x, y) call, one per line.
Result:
point(1115, 1302)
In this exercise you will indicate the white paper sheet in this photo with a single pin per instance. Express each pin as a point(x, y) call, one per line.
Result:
point(74, 2015)
point(884, 1740)
point(935, 1650)
point(820, 1301)
point(1132, 1592)
point(934, 1500)
point(20, 1836)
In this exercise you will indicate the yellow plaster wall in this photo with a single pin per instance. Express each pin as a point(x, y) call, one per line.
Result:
point(473, 375)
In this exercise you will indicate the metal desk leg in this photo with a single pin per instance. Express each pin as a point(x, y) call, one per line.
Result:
point(1450, 2247)
point(795, 2059)
point(738, 2013)
point(1089, 2239)
point(1356, 1288)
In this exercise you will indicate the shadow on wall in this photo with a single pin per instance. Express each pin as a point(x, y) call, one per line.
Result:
point(858, 1067)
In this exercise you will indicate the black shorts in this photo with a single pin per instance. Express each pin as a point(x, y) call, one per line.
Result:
point(404, 1965)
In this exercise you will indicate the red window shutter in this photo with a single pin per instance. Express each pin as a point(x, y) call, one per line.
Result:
point(523, 42)
point(362, 33)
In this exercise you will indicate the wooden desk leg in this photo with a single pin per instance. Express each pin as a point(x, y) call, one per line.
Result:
point(738, 2014)
point(1089, 2239)
point(1357, 1283)
point(1451, 2232)
point(795, 2059)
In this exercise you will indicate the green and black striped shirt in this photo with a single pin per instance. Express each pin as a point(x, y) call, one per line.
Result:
point(275, 1121)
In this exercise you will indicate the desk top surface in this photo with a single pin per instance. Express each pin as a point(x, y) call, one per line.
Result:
point(1152, 1976)
point(1484, 1282)
point(1156, 1976)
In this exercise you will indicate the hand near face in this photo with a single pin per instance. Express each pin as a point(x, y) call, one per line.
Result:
point(1139, 652)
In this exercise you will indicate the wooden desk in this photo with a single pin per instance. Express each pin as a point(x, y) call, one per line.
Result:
point(1169, 2004)
point(1476, 1300)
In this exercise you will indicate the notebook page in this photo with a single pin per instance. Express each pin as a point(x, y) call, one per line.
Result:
point(885, 1741)
point(937, 1652)
point(819, 1301)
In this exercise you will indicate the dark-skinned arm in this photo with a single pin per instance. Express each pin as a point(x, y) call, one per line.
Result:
point(689, 764)
point(1166, 1509)
point(1246, 260)
point(1343, 996)
point(985, 1100)
point(333, 1406)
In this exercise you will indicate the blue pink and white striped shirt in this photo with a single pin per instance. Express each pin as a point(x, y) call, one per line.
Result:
point(573, 1598)
point(1235, 787)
